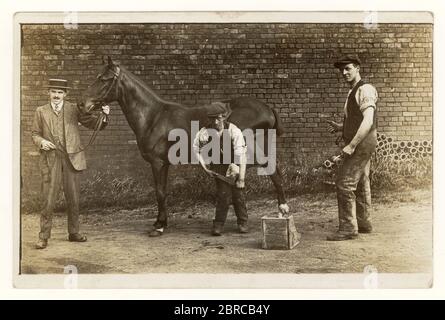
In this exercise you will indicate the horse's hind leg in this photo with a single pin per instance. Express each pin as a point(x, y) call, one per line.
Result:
point(160, 173)
point(276, 176)
point(277, 180)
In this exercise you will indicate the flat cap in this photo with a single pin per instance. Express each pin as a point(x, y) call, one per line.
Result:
point(218, 108)
point(347, 59)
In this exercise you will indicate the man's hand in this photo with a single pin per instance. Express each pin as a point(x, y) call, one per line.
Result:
point(47, 145)
point(349, 150)
point(232, 171)
point(209, 172)
point(333, 127)
point(106, 109)
point(239, 184)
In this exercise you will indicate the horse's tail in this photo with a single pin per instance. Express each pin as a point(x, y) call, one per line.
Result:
point(278, 124)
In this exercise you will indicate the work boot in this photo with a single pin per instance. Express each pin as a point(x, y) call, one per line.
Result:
point(243, 228)
point(42, 244)
point(217, 229)
point(365, 230)
point(77, 237)
point(341, 236)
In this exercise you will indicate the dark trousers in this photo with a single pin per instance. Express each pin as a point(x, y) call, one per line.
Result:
point(60, 172)
point(354, 189)
point(227, 194)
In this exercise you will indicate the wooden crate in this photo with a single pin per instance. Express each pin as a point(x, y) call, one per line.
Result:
point(279, 233)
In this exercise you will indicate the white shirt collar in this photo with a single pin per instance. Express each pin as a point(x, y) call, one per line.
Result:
point(57, 107)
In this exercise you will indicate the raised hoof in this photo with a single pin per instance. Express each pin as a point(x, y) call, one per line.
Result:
point(155, 233)
point(283, 209)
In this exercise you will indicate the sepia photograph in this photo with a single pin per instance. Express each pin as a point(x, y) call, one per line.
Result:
point(223, 149)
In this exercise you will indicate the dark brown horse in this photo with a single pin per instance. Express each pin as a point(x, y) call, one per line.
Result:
point(152, 118)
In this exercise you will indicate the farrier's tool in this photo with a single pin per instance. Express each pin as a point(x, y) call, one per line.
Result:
point(229, 180)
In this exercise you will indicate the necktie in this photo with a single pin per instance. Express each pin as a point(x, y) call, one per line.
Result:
point(57, 108)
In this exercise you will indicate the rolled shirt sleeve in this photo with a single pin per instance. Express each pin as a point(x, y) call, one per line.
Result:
point(239, 144)
point(366, 97)
point(201, 138)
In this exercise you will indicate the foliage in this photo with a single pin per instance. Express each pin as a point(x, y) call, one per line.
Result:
point(189, 184)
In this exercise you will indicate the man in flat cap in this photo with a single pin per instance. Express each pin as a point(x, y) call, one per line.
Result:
point(55, 131)
point(360, 137)
point(226, 192)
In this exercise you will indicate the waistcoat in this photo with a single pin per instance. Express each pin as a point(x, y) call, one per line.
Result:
point(354, 119)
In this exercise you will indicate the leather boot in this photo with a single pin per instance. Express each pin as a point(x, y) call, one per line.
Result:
point(365, 229)
point(341, 236)
point(217, 229)
point(42, 244)
point(77, 237)
point(243, 228)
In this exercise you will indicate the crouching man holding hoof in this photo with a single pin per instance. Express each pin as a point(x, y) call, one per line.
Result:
point(229, 177)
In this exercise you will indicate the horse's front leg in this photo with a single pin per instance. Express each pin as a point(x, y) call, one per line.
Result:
point(160, 173)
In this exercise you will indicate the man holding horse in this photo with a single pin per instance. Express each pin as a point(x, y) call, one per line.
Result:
point(55, 131)
point(360, 136)
point(226, 190)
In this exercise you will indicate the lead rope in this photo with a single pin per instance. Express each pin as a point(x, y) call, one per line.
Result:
point(97, 126)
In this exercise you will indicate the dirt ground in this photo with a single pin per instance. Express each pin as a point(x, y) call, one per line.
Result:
point(118, 240)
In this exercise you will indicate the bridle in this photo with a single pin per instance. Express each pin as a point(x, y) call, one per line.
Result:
point(100, 101)
point(101, 116)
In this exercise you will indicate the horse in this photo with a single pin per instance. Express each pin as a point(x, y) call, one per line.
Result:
point(152, 118)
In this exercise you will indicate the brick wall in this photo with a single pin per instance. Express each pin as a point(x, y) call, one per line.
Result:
point(289, 66)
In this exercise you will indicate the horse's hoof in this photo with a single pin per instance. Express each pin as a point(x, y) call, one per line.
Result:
point(284, 209)
point(155, 233)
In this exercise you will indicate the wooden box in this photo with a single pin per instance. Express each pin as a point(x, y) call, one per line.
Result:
point(279, 233)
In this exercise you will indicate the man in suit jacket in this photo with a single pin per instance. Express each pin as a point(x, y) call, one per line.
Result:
point(55, 132)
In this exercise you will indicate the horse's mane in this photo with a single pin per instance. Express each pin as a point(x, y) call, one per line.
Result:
point(144, 86)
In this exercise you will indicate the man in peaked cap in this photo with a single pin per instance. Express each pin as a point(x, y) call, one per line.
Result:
point(218, 113)
point(360, 136)
point(55, 131)
point(347, 59)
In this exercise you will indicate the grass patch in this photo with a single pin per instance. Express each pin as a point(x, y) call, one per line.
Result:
point(388, 174)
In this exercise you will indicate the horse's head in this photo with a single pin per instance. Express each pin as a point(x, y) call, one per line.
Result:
point(103, 90)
